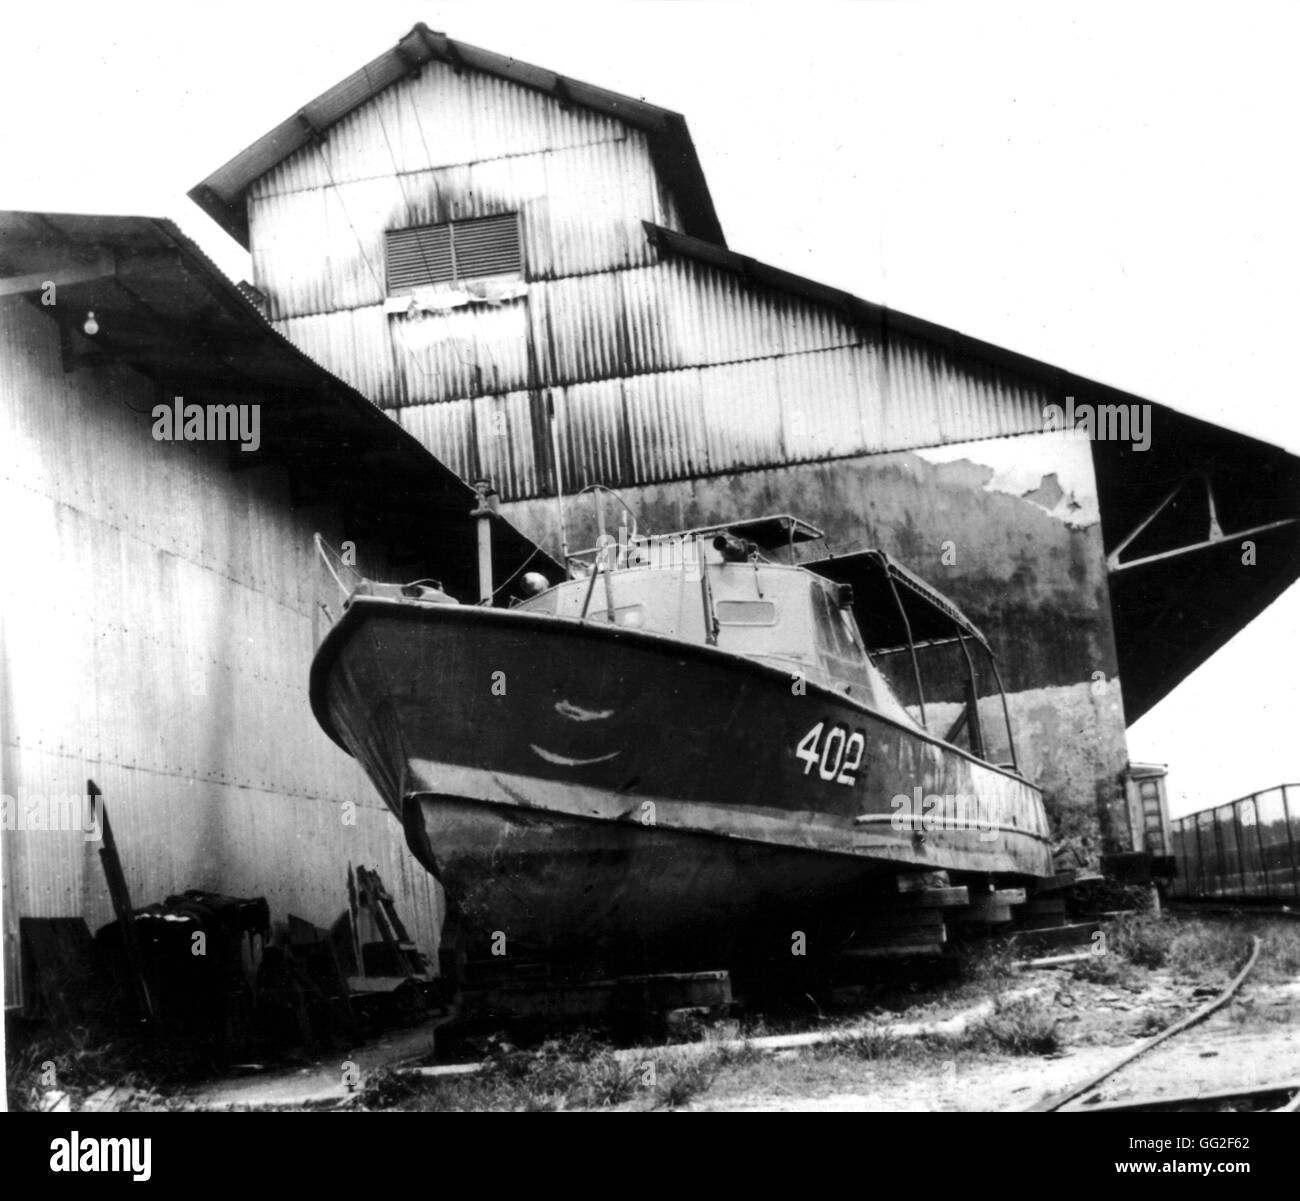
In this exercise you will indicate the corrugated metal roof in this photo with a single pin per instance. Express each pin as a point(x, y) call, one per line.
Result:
point(223, 194)
point(164, 309)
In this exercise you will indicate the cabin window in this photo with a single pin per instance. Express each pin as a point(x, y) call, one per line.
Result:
point(453, 251)
point(841, 654)
point(745, 613)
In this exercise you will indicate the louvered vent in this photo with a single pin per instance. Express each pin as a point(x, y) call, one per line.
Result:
point(457, 250)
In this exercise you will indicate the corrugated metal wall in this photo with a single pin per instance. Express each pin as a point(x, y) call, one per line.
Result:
point(656, 369)
point(158, 625)
point(709, 419)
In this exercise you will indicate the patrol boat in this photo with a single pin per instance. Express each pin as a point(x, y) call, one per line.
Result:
point(698, 750)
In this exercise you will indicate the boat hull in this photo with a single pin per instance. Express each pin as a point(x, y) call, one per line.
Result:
point(588, 792)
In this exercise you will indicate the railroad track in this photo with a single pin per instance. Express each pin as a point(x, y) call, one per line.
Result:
point(1279, 1097)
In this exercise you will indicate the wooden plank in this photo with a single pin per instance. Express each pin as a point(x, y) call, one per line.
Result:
point(303, 933)
point(929, 898)
point(886, 938)
point(121, 898)
point(354, 915)
point(1056, 883)
point(61, 955)
point(904, 920)
point(1077, 932)
point(366, 880)
point(921, 881)
point(1046, 905)
point(899, 951)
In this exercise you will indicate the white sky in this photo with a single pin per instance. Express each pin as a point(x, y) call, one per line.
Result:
point(1109, 188)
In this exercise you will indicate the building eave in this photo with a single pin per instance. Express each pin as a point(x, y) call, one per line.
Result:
point(167, 311)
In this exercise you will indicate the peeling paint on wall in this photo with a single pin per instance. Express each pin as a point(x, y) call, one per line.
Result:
point(1058, 478)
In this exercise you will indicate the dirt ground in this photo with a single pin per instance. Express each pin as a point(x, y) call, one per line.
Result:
point(998, 1039)
point(1253, 1041)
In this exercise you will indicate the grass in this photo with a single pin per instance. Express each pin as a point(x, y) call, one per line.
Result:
point(1189, 949)
point(582, 1072)
point(79, 1062)
point(685, 1079)
point(1280, 955)
point(876, 1043)
point(1151, 1023)
point(577, 1072)
point(1021, 1026)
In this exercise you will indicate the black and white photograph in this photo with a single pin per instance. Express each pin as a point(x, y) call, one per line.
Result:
point(650, 557)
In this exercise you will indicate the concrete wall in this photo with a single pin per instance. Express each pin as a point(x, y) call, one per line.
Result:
point(158, 615)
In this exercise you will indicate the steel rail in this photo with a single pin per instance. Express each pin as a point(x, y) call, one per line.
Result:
point(1053, 1104)
point(1158, 1104)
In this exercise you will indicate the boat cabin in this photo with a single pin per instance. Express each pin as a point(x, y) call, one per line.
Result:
point(860, 623)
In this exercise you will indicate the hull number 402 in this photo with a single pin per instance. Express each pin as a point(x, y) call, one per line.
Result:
point(833, 751)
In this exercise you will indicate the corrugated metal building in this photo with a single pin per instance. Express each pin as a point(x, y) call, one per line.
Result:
point(162, 599)
point(613, 338)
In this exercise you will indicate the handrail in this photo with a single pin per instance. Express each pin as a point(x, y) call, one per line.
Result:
point(324, 549)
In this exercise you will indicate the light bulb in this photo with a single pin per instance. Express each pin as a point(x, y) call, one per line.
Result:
point(92, 326)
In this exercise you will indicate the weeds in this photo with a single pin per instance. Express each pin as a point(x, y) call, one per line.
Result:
point(1150, 1023)
point(987, 967)
point(1281, 953)
point(79, 1062)
point(1144, 939)
point(385, 1089)
point(1019, 1027)
point(876, 1043)
point(1148, 941)
point(1104, 969)
point(684, 1079)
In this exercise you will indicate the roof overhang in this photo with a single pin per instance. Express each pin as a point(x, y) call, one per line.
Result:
point(166, 311)
point(222, 195)
point(895, 609)
point(1179, 589)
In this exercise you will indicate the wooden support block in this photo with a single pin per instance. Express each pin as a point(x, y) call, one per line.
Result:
point(1045, 905)
point(920, 881)
point(888, 938)
point(930, 898)
point(920, 950)
point(1056, 883)
point(919, 919)
point(1052, 936)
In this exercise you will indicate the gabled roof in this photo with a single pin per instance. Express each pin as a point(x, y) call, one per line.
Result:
point(222, 194)
point(164, 309)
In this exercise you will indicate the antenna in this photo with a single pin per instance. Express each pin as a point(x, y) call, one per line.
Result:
point(559, 477)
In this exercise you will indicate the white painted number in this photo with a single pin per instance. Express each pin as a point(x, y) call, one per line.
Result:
point(852, 757)
point(836, 758)
point(807, 748)
point(829, 768)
